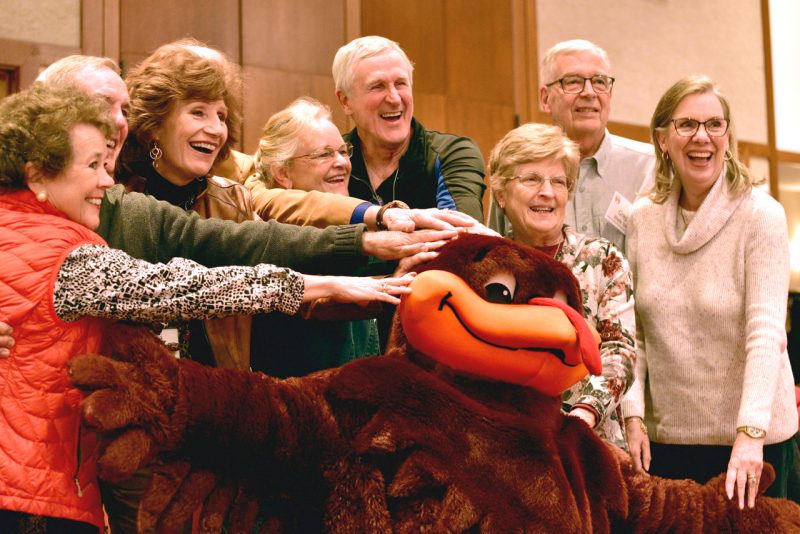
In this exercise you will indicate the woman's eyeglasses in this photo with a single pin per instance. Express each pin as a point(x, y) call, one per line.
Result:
point(326, 154)
point(687, 127)
point(535, 181)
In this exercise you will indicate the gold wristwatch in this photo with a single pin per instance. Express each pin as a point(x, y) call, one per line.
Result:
point(753, 432)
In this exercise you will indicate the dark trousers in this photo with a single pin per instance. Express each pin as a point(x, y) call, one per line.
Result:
point(22, 523)
point(703, 462)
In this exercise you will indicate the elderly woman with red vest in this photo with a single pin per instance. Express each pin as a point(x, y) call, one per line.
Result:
point(60, 282)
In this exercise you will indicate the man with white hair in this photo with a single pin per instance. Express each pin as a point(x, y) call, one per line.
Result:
point(98, 76)
point(394, 157)
point(576, 90)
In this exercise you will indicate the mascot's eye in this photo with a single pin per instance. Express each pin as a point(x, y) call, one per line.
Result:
point(500, 288)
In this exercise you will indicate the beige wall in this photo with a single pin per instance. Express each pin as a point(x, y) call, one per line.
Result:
point(652, 43)
point(56, 22)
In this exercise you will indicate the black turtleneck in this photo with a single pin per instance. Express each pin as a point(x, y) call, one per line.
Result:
point(183, 196)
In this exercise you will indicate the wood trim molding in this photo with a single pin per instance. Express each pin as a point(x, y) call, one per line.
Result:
point(31, 58)
point(766, 34)
point(100, 28)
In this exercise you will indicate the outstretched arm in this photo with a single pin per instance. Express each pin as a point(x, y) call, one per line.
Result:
point(663, 505)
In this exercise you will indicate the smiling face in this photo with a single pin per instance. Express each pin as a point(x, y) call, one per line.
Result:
point(191, 138)
point(536, 216)
point(584, 115)
point(78, 190)
point(108, 84)
point(380, 101)
point(329, 175)
point(698, 160)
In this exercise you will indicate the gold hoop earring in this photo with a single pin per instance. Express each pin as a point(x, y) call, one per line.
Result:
point(155, 154)
point(41, 196)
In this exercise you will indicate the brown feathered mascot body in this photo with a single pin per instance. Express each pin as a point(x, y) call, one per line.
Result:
point(457, 428)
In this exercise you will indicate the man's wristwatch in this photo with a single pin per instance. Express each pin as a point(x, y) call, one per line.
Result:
point(379, 217)
point(753, 432)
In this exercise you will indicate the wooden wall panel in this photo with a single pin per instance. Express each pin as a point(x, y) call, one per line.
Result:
point(100, 28)
point(292, 36)
point(270, 90)
point(484, 122)
point(418, 25)
point(478, 49)
point(147, 24)
point(433, 108)
point(463, 55)
point(287, 49)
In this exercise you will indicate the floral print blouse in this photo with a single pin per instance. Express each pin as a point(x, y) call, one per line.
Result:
point(607, 290)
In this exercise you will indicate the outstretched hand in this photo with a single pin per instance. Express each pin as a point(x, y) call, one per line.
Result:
point(397, 245)
point(134, 399)
point(359, 289)
point(408, 220)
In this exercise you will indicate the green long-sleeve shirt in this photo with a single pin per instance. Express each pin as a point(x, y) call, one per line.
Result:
point(156, 231)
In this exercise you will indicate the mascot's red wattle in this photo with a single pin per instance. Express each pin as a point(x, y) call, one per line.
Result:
point(456, 428)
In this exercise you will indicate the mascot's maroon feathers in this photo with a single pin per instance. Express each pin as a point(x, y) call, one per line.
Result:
point(457, 428)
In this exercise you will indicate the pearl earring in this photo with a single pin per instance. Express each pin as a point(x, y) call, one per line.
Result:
point(41, 196)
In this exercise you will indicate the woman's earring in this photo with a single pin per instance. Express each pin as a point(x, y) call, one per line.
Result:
point(41, 196)
point(155, 154)
point(728, 155)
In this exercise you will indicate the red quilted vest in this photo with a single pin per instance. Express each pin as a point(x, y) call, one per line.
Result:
point(47, 462)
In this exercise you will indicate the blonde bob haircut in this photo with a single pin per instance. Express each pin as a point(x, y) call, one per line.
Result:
point(736, 173)
point(563, 48)
point(530, 143)
point(362, 48)
point(282, 132)
point(182, 70)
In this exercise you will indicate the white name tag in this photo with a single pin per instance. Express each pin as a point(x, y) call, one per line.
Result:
point(618, 211)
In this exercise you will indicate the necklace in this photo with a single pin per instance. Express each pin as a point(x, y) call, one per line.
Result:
point(683, 216)
point(560, 244)
point(551, 250)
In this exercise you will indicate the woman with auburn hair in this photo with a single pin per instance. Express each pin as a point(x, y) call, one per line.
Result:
point(185, 113)
point(532, 173)
point(710, 256)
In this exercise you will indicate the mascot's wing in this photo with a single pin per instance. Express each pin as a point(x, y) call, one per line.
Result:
point(662, 505)
point(222, 426)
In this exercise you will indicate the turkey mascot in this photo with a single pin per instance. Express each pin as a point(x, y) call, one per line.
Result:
point(458, 427)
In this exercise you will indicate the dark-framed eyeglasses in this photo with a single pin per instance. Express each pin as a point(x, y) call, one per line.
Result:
point(573, 83)
point(326, 154)
point(686, 127)
point(535, 181)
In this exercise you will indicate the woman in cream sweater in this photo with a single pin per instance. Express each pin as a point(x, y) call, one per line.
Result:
point(710, 258)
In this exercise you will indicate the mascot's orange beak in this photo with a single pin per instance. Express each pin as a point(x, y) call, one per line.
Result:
point(545, 345)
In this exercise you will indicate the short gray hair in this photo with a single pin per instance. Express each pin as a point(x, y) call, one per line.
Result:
point(282, 133)
point(565, 48)
point(66, 70)
point(362, 48)
point(530, 143)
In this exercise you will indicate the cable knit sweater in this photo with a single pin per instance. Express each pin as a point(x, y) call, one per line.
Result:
point(711, 311)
